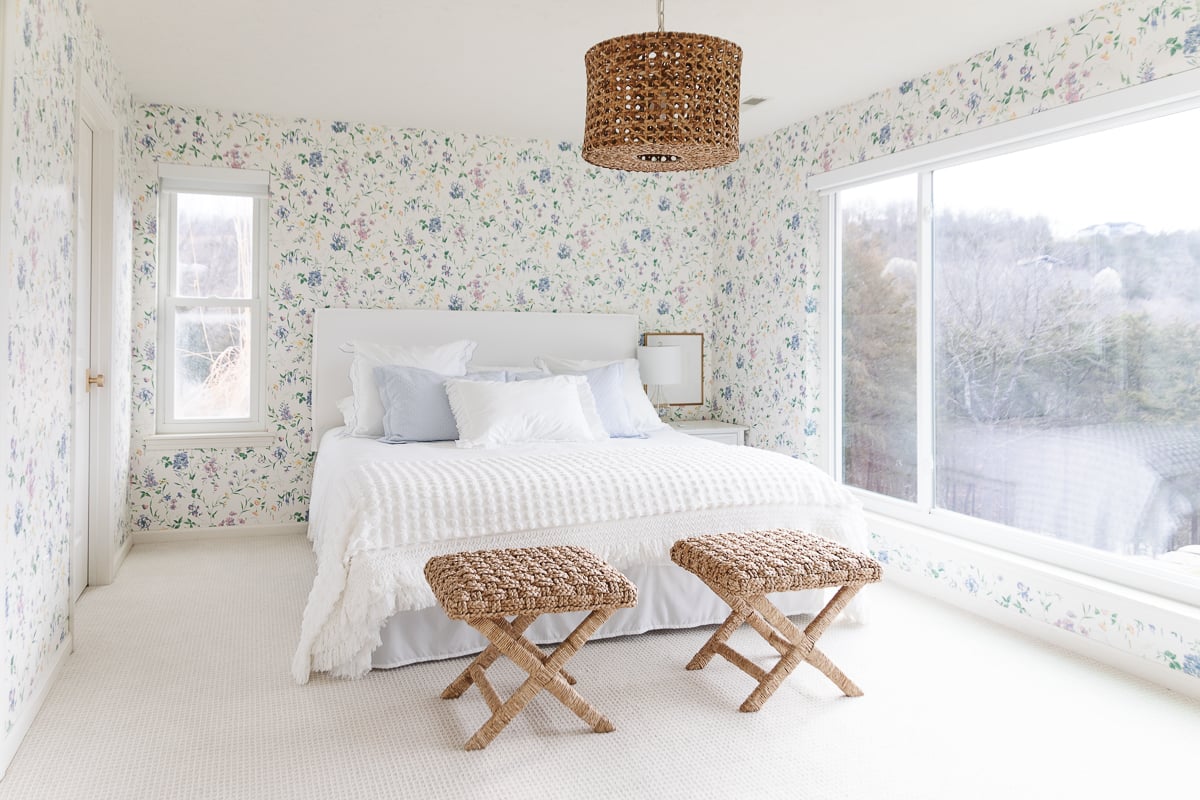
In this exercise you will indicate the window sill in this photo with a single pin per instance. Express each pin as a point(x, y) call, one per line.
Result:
point(1035, 551)
point(197, 441)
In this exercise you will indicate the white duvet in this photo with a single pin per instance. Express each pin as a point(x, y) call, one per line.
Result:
point(379, 512)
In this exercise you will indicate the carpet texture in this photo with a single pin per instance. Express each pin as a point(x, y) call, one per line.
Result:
point(179, 688)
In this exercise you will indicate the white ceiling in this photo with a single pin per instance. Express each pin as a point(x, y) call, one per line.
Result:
point(515, 67)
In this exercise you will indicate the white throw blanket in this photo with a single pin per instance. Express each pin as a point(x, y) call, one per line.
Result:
point(387, 519)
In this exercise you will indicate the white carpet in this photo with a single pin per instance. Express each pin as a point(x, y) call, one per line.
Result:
point(179, 688)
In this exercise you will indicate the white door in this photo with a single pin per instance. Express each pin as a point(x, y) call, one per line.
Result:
point(81, 451)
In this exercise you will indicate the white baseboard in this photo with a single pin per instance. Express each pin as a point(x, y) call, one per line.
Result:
point(12, 742)
point(939, 566)
point(119, 558)
point(223, 532)
point(1105, 654)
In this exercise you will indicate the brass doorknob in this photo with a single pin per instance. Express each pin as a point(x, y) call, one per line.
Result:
point(94, 380)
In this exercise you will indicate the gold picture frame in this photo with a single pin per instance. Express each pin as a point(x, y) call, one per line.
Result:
point(691, 391)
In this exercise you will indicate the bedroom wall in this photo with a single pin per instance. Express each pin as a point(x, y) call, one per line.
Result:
point(47, 44)
point(377, 217)
point(767, 303)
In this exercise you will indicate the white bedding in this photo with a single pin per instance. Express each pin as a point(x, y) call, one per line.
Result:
point(379, 512)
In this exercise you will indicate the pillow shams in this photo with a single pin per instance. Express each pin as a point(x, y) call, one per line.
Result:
point(608, 390)
point(346, 407)
point(587, 401)
point(641, 411)
point(445, 359)
point(415, 406)
point(509, 370)
point(548, 410)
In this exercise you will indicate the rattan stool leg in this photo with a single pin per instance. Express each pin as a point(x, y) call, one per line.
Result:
point(543, 674)
point(803, 647)
point(491, 653)
point(731, 624)
point(483, 661)
point(776, 676)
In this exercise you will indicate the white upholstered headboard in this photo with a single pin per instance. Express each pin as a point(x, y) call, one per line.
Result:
point(504, 337)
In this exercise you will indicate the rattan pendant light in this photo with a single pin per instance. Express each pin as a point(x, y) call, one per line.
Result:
point(662, 101)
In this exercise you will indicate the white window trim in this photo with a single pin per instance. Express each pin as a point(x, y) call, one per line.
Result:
point(1135, 104)
point(1131, 104)
point(197, 441)
point(239, 432)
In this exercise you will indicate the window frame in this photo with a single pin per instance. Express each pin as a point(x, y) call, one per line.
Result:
point(173, 181)
point(1135, 104)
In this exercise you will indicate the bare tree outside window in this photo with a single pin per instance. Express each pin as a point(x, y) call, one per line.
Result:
point(1066, 350)
point(214, 260)
point(879, 337)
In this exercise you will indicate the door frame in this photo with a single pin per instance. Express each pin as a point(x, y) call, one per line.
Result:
point(92, 109)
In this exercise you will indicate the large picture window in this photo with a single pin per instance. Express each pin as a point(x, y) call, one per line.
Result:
point(212, 228)
point(1048, 299)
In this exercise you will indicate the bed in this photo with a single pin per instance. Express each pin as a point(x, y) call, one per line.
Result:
point(379, 511)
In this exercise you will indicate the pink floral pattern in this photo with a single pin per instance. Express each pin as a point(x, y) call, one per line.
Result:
point(374, 217)
point(388, 217)
point(44, 50)
point(767, 269)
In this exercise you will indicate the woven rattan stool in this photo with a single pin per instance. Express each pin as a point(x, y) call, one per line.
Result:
point(485, 587)
point(743, 567)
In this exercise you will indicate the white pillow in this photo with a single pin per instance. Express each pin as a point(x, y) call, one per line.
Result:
point(490, 414)
point(346, 406)
point(641, 410)
point(447, 359)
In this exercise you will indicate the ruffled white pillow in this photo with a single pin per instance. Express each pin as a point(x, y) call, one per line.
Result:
point(554, 409)
point(641, 410)
point(446, 359)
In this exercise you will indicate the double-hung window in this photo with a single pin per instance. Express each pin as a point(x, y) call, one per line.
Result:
point(1017, 347)
point(212, 305)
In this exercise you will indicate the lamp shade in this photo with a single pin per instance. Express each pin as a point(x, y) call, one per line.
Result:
point(661, 366)
point(662, 101)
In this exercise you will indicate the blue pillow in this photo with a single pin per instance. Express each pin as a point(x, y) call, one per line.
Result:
point(415, 406)
point(608, 388)
point(530, 374)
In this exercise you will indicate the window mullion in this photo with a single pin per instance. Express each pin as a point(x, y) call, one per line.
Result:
point(214, 302)
point(925, 367)
point(832, 458)
point(164, 361)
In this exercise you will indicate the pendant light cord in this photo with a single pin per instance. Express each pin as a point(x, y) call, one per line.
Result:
point(662, 16)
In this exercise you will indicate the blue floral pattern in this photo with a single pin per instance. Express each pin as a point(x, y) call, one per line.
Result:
point(381, 217)
point(52, 44)
point(766, 307)
point(374, 217)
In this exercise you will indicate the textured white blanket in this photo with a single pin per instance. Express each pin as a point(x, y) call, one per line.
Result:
point(621, 503)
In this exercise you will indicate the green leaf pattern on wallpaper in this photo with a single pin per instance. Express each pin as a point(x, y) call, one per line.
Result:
point(767, 271)
point(377, 217)
point(52, 45)
point(767, 275)
point(372, 217)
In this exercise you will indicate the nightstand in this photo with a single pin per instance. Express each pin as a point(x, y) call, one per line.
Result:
point(712, 430)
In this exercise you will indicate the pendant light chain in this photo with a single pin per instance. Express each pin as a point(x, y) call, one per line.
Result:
point(662, 16)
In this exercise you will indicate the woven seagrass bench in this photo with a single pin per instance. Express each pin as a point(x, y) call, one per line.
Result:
point(743, 567)
point(485, 587)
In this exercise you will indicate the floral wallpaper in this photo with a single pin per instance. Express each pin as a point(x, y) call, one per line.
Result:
point(383, 217)
point(47, 43)
point(1058, 603)
point(767, 261)
point(767, 272)
point(376, 217)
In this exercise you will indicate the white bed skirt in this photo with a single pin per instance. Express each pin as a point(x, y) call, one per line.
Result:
point(668, 597)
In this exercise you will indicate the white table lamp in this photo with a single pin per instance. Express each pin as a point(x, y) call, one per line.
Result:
point(660, 367)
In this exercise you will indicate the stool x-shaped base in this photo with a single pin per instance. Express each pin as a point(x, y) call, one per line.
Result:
point(794, 646)
point(545, 672)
